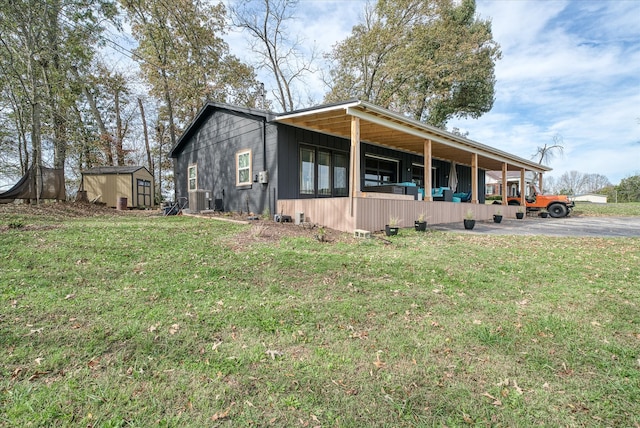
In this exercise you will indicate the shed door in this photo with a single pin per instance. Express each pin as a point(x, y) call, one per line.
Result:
point(144, 193)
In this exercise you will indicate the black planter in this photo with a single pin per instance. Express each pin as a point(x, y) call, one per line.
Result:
point(469, 224)
point(391, 230)
point(519, 216)
point(420, 226)
point(544, 214)
point(497, 218)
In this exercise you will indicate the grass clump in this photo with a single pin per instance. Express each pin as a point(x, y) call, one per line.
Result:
point(168, 321)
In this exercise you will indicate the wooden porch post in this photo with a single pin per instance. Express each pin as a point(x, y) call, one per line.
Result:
point(474, 179)
point(354, 161)
point(505, 186)
point(427, 171)
point(523, 188)
point(540, 182)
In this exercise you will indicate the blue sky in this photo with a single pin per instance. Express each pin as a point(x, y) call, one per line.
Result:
point(569, 69)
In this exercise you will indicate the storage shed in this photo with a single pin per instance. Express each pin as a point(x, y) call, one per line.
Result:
point(112, 184)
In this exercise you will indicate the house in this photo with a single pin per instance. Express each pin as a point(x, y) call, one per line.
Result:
point(591, 197)
point(119, 186)
point(494, 182)
point(349, 165)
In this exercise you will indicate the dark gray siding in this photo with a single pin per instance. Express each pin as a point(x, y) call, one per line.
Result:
point(213, 148)
point(290, 139)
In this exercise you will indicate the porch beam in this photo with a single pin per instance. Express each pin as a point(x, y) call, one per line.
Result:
point(523, 188)
point(354, 161)
point(474, 179)
point(427, 171)
point(505, 185)
point(540, 183)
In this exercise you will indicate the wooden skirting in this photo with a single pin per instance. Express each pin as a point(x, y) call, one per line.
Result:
point(374, 213)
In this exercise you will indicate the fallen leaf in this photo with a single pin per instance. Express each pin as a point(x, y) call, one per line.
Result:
point(69, 296)
point(517, 388)
point(174, 328)
point(273, 354)
point(93, 362)
point(496, 402)
point(223, 414)
point(16, 373)
point(360, 335)
point(379, 364)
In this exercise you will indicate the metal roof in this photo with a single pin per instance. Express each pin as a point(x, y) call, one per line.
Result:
point(386, 128)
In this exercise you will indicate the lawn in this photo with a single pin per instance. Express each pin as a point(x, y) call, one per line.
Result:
point(136, 321)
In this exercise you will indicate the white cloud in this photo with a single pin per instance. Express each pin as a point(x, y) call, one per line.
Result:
point(569, 68)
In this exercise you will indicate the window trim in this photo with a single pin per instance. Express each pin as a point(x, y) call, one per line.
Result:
point(194, 167)
point(382, 158)
point(315, 191)
point(240, 153)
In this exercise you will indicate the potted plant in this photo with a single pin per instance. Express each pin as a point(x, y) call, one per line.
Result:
point(497, 217)
point(544, 214)
point(520, 213)
point(392, 228)
point(420, 224)
point(469, 222)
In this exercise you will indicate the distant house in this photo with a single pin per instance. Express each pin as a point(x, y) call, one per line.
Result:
point(494, 183)
point(111, 184)
point(591, 197)
point(349, 165)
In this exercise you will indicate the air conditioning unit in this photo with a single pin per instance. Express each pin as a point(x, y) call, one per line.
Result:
point(198, 200)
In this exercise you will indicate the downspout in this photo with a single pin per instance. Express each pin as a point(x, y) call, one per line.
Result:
point(264, 143)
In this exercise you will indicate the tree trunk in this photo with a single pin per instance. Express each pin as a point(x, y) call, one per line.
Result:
point(105, 136)
point(119, 132)
point(146, 137)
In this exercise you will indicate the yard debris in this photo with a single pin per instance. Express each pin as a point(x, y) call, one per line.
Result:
point(496, 402)
point(273, 354)
point(223, 414)
point(379, 364)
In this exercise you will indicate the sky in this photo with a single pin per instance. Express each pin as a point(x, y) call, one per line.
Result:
point(570, 72)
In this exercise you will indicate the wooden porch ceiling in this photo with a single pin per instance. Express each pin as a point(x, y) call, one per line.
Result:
point(379, 126)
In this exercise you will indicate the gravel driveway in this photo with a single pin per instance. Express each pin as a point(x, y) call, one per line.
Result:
point(609, 227)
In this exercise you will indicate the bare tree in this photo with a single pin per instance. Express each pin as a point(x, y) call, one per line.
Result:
point(265, 21)
point(595, 183)
point(572, 183)
point(548, 152)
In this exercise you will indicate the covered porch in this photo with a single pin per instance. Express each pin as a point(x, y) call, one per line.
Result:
point(359, 122)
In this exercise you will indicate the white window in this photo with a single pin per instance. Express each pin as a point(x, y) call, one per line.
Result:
point(243, 168)
point(193, 177)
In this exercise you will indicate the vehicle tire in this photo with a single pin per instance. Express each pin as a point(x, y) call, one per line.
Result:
point(558, 210)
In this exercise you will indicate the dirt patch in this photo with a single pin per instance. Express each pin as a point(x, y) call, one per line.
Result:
point(266, 230)
point(261, 230)
point(61, 210)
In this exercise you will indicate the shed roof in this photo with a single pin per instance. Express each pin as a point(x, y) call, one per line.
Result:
point(106, 170)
